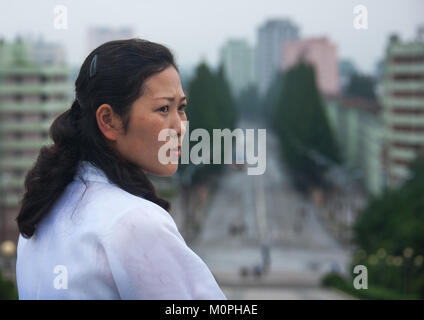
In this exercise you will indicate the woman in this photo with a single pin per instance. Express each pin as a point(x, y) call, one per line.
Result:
point(91, 224)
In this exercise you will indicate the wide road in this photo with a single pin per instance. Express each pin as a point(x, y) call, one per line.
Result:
point(267, 210)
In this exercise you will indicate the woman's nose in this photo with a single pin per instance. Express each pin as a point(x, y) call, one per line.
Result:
point(179, 125)
point(183, 127)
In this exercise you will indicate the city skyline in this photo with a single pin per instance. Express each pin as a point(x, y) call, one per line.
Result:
point(174, 25)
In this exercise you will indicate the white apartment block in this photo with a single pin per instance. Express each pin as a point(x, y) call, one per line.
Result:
point(403, 102)
point(237, 59)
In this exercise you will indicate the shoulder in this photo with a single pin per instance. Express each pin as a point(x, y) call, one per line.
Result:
point(142, 225)
point(143, 221)
point(114, 207)
point(135, 208)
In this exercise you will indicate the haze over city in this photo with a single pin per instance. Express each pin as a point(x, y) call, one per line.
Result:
point(195, 30)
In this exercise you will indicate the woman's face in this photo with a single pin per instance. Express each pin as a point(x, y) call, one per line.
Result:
point(160, 108)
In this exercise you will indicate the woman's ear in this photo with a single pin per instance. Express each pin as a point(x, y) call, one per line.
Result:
point(109, 122)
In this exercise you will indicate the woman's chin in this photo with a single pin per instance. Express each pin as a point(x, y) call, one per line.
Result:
point(165, 170)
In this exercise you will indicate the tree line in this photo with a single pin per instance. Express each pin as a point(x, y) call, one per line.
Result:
point(211, 105)
point(294, 109)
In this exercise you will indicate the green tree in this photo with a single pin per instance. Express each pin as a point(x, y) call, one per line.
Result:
point(227, 102)
point(8, 289)
point(211, 106)
point(248, 104)
point(394, 222)
point(308, 145)
point(270, 100)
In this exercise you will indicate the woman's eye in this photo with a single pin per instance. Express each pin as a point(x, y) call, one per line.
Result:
point(183, 107)
point(164, 109)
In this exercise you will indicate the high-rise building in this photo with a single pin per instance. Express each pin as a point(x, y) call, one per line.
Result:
point(357, 126)
point(32, 94)
point(269, 53)
point(322, 55)
point(99, 35)
point(237, 59)
point(403, 101)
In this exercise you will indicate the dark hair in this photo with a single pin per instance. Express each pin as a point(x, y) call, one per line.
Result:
point(113, 73)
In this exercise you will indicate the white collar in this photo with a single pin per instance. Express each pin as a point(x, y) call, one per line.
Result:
point(88, 172)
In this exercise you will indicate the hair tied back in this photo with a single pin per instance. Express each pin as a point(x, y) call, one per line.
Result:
point(93, 66)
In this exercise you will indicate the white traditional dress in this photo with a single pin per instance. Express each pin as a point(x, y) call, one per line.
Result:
point(101, 242)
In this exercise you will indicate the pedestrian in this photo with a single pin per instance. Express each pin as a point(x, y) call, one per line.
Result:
point(266, 257)
point(91, 223)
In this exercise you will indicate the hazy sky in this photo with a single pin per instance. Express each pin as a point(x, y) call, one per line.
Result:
point(196, 29)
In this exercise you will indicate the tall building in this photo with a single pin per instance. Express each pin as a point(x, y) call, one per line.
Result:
point(32, 94)
point(356, 124)
point(269, 54)
point(403, 101)
point(99, 35)
point(320, 53)
point(237, 59)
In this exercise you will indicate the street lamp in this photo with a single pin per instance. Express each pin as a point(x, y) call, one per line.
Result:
point(8, 249)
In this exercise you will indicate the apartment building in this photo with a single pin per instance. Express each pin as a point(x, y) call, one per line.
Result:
point(269, 54)
point(321, 53)
point(403, 102)
point(359, 130)
point(32, 94)
point(237, 58)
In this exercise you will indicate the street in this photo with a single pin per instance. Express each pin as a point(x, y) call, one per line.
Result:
point(249, 215)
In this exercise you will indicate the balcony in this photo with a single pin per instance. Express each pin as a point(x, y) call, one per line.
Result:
point(36, 88)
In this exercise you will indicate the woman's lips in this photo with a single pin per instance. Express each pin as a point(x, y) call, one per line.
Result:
point(176, 152)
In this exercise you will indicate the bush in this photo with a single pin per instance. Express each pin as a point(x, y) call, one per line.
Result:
point(8, 290)
point(333, 280)
point(393, 222)
point(336, 281)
